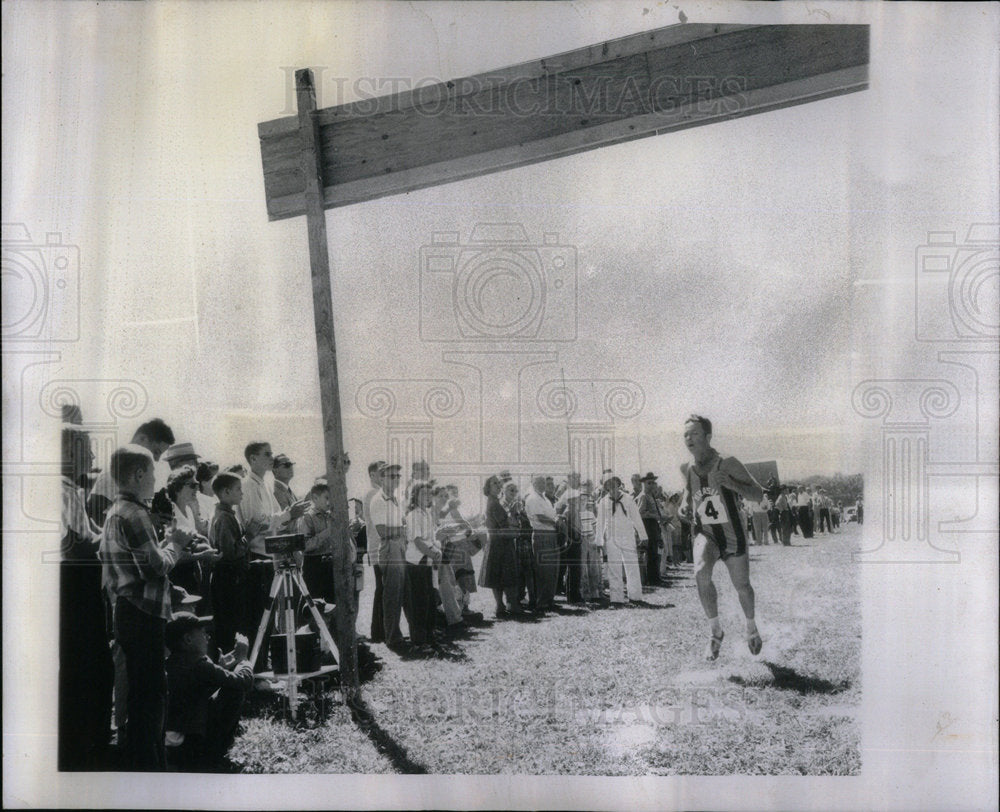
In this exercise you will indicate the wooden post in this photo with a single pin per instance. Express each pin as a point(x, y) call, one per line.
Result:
point(346, 611)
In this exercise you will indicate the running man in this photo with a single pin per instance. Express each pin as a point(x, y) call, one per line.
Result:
point(712, 484)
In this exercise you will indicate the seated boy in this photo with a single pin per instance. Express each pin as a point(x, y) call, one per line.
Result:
point(230, 584)
point(205, 698)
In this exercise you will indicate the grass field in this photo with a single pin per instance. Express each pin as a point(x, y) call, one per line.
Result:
point(608, 692)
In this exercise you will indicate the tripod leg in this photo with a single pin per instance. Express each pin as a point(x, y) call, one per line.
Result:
point(265, 620)
point(293, 682)
point(324, 632)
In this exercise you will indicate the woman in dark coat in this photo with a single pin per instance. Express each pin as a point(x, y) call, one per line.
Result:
point(499, 569)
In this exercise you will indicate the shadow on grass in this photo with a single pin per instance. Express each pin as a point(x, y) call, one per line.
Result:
point(568, 611)
point(647, 605)
point(439, 650)
point(384, 742)
point(788, 679)
point(523, 617)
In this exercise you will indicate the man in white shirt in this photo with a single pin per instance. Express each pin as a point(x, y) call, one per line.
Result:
point(375, 478)
point(387, 517)
point(544, 543)
point(260, 515)
point(618, 521)
point(821, 507)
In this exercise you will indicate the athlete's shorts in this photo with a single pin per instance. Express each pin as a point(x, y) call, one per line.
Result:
point(726, 545)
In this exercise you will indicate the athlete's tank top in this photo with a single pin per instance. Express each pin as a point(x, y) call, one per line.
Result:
point(716, 511)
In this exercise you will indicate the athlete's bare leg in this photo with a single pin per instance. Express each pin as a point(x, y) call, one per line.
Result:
point(705, 556)
point(739, 573)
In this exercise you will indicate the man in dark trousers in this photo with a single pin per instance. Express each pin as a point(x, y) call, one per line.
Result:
point(568, 506)
point(649, 512)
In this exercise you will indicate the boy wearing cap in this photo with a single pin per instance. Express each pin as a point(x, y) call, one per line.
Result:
point(205, 698)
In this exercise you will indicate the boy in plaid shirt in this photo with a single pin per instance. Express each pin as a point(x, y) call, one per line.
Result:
point(135, 575)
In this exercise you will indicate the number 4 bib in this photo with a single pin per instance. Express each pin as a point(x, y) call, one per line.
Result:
point(712, 510)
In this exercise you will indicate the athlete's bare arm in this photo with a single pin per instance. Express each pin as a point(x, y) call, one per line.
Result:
point(684, 508)
point(733, 474)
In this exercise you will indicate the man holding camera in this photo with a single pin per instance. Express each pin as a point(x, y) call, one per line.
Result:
point(260, 515)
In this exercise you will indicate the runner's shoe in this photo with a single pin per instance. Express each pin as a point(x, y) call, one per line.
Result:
point(754, 642)
point(714, 644)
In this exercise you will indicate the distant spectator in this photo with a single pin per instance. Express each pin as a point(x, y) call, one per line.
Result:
point(156, 437)
point(206, 496)
point(375, 481)
point(636, 486)
point(649, 512)
point(618, 522)
point(179, 455)
point(498, 571)
point(525, 558)
point(423, 556)
point(459, 542)
point(284, 471)
point(544, 542)
point(568, 507)
point(387, 517)
point(420, 471)
point(591, 582)
point(182, 490)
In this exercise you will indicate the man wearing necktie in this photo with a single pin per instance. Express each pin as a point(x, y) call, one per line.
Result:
point(284, 470)
point(618, 521)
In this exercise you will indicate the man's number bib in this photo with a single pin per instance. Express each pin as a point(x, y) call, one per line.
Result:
point(711, 510)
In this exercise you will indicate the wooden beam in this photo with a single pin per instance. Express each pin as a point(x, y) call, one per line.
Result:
point(646, 84)
point(345, 613)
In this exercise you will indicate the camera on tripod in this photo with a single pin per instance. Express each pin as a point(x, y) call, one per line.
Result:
point(284, 547)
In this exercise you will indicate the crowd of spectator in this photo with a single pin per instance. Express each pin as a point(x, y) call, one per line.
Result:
point(163, 589)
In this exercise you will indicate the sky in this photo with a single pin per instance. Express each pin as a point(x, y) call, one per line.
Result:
point(716, 268)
